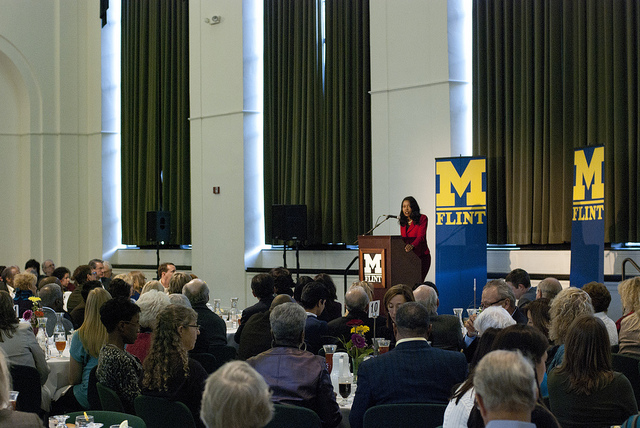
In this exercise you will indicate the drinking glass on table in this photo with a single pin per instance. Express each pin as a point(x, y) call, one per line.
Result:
point(13, 397)
point(328, 355)
point(61, 341)
point(82, 421)
point(344, 388)
point(383, 346)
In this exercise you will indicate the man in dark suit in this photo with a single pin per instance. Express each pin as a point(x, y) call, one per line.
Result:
point(256, 336)
point(213, 330)
point(262, 289)
point(413, 372)
point(446, 331)
point(520, 283)
point(313, 300)
point(357, 303)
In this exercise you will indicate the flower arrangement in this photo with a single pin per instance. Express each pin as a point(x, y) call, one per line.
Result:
point(357, 347)
point(35, 311)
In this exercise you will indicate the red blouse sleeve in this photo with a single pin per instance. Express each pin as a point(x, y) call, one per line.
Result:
point(421, 235)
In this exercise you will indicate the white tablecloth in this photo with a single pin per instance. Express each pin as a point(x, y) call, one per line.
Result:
point(58, 380)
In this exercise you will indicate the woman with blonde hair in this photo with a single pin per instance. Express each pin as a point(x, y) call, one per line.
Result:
point(568, 305)
point(25, 287)
point(629, 325)
point(154, 284)
point(84, 351)
point(137, 282)
point(8, 416)
point(177, 281)
point(168, 370)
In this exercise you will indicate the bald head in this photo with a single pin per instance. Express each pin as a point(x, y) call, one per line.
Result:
point(356, 299)
point(51, 295)
point(280, 299)
point(196, 291)
point(427, 297)
point(548, 288)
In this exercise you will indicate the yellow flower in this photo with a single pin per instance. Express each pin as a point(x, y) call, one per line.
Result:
point(34, 299)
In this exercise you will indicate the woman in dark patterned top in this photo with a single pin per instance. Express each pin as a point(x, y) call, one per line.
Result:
point(118, 369)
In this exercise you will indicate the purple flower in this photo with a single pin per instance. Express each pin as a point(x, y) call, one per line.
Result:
point(27, 315)
point(358, 341)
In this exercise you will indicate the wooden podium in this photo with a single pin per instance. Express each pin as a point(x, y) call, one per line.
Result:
point(385, 263)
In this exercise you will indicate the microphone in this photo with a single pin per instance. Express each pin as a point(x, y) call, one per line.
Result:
point(391, 216)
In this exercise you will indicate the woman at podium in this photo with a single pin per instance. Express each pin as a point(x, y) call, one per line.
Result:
point(413, 228)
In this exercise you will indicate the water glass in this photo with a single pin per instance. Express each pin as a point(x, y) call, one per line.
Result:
point(82, 421)
point(13, 397)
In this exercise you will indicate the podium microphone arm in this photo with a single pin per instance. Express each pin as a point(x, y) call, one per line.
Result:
point(386, 217)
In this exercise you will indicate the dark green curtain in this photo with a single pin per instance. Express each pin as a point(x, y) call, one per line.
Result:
point(317, 144)
point(550, 76)
point(155, 112)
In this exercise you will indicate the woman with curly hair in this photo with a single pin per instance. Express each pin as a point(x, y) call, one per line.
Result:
point(25, 287)
point(629, 325)
point(568, 305)
point(168, 370)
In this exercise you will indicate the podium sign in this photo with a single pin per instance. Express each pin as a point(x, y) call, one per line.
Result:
point(587, 224)
point(372, 268)
point(461, 231)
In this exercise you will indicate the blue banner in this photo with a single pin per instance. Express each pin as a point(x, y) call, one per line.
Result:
point(587, 225)
point(461, 231)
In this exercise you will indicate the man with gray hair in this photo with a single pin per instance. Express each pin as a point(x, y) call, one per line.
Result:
point(413, 372)
point(52, 302)
point(445, 329)
point(357, 303)
point(48, 266)
point(213, 330)
point(506, 389)
point(548, 288)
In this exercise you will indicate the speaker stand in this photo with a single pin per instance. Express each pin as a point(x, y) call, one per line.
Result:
point(157, 257)
point(297, 260)
point(284, 255)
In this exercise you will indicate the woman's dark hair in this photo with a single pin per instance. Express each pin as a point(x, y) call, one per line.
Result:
point(60, 272)
point(282, 280)
point(8, 319)
point(587, 356)
point(302, 281)
point(80, 274)
point(328, 282)
point(398, 289)
point(538, 313)
point(600, 296)
point(415, 212)
point(524, 338)
point(484, 346)
point(117, 309)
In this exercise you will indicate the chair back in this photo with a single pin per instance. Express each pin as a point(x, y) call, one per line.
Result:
point(223, 353)
point(159, 412)
point(427, 415)
point(108, 418)
point(287, 416)
point(109, 400)
point(26, 380)
point(92, 390)
point(628, 365)
point(208, 361)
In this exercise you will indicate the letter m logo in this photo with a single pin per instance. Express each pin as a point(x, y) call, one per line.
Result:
point(589, 175)
point(468, 186)
point(372, 265)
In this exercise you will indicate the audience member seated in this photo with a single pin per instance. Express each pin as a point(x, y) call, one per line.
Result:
point(505, 390)
point(33, 266)
point(492, 316)
point(282, 281)
point(120, 286)
point(213, 330)
point(25, 287)
point(413, 372)
point(333, 308)
point(584, 391)
point(366, 286)
point(168, 370)
point(297, 291)
point(548, 288)
point(256, 336)
point(7, 278)
point(533, 345)
point(151, 304)
point(537, 313)
point(395, 297)
point(80, 277)
point(48, 266)
point(600, 299)
point(520, 283)
point(629, 325)
point(177, 282)
point(48, 280)
point(295, 376)
point(357, 303)
point(262, 286)
point(8, 416)
point(84, 350)
point(152, 285)
point(52, 301)
point(138, 280)
point(568, 305)
point(18, 341)
point(165, 272)
point(118, 369)
point(313, 300)
point(77, 314)
point(445, 329)
point(64, 275)
point(179, 299)
point(236, 396)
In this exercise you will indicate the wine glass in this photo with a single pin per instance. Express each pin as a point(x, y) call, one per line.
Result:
point(328, 356)
point(344, 388)
point(61, 421)
point(472, 312)
point(61, 341)
point(458, 313)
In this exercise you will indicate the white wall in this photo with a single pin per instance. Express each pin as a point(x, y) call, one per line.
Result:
point(50, 181)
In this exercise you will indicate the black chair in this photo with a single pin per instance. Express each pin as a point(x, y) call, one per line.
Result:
point(208, 361)
point(92, 390)
point(162, 413)
point(107, 418)
point(286, 416)
point(427, 415)
point(26, 380)
point(628, 365)
point(223, 353)
point(109, 400)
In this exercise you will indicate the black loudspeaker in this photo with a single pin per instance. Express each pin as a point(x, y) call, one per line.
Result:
point(158, 226)
point(289, 222)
